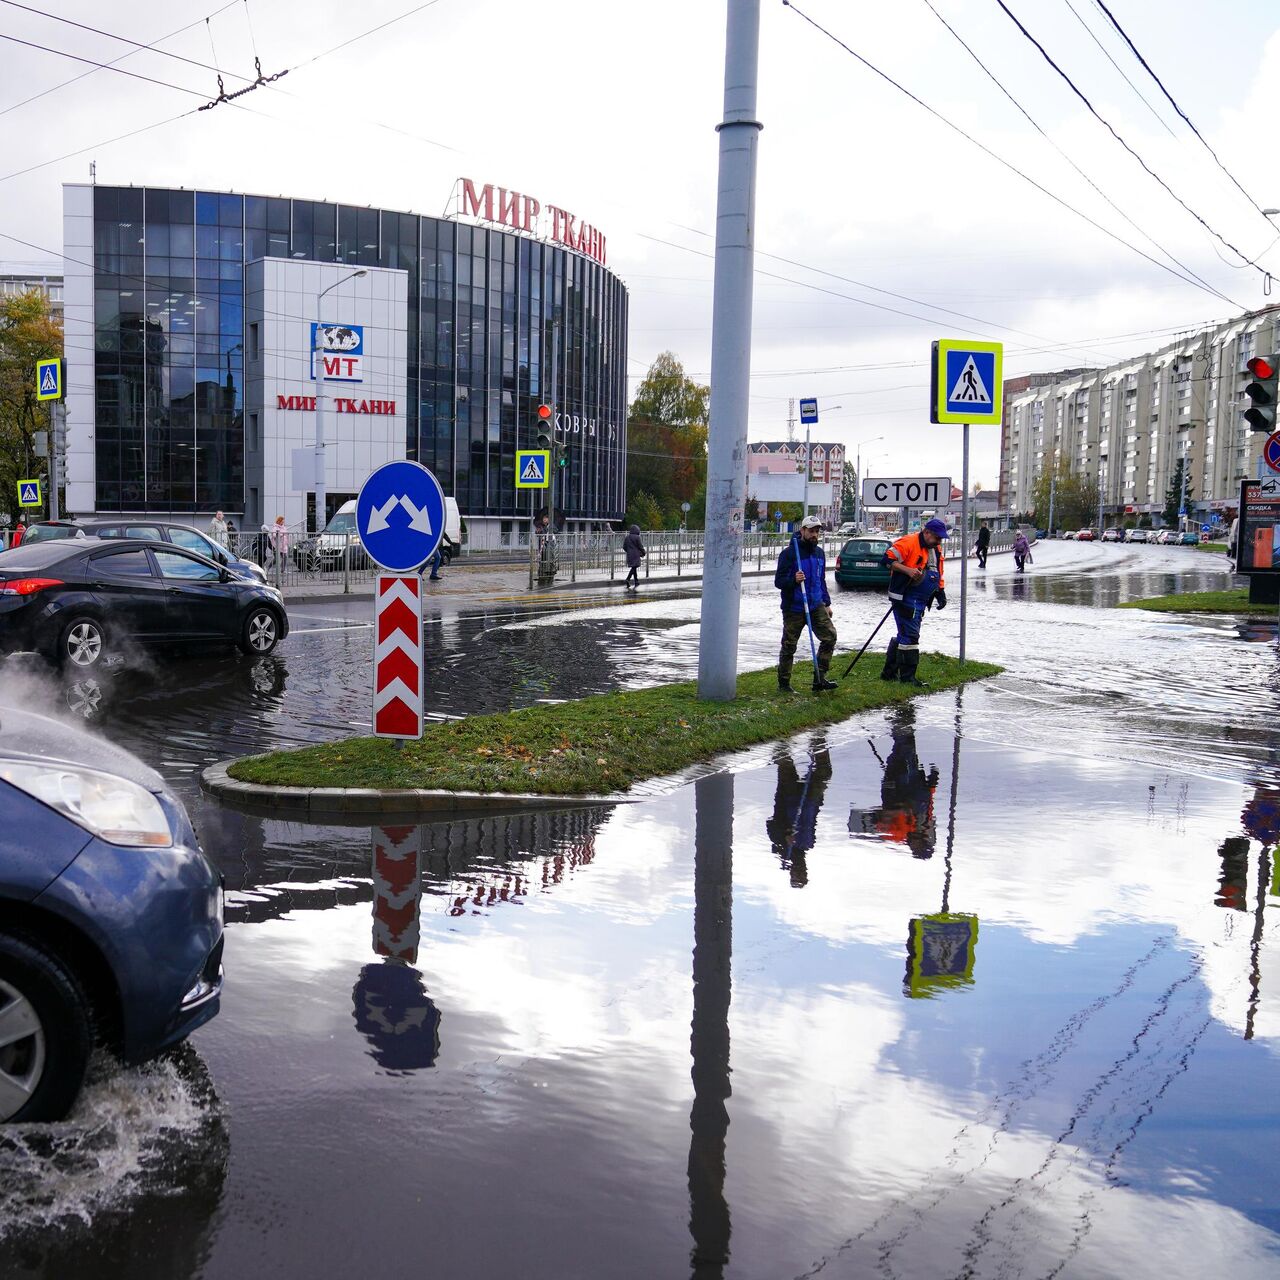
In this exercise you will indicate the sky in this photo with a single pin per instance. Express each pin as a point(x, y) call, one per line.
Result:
point(879, 227)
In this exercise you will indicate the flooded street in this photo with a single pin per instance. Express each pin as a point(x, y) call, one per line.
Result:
point(987, 985)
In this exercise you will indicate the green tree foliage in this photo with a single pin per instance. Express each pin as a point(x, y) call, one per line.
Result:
point(1075, 498)
point(849, 495)
point(644, 511)
point(28, 332)
point(1173, 495)
point(667, 440)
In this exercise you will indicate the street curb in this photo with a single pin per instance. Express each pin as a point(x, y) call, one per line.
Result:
point(319, 804)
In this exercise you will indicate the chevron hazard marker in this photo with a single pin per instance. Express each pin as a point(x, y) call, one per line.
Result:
point(397, 657)
point(397, 892)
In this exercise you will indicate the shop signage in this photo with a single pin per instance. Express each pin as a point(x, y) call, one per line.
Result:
point(342, 404)
point(342, 350)
point(524, 213)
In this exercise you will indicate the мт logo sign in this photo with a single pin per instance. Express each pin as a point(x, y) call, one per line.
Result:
point(342, 350)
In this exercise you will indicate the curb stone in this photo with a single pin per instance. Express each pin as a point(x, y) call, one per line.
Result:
point(343, 803)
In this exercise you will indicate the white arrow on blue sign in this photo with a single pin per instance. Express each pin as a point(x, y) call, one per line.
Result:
point(400, 516)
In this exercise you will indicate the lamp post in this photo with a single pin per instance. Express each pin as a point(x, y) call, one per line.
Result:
point(857, 471)
point(317, 371)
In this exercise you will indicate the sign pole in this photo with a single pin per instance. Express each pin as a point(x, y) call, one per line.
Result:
point(53, 460)
point(964, 543)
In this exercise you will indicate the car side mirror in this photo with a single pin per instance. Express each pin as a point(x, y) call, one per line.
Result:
point(224, 575)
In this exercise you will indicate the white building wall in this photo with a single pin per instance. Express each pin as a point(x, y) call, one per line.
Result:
point(280, 299)
point(77, 248)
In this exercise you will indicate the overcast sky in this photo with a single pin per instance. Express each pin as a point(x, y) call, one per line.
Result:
point(609, 109)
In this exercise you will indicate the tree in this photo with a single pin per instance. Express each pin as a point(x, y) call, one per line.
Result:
point(849, 493)
point(667, 438)
point(644, 511)
point(28, 332)
point(1075, 498)
point(1174, 495)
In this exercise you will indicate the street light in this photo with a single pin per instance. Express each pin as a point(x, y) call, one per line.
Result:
point(857, 469)
point(317, 370)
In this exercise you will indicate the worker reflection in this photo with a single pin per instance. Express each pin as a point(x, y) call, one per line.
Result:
point(793, 827)
point(905, 815)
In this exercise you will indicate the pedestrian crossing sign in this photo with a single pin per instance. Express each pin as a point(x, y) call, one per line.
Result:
point(49, 379)
point(29, 493)
point(533, 468)
point(967, 382)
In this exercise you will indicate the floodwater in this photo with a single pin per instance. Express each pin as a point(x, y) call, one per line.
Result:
point(986, 986)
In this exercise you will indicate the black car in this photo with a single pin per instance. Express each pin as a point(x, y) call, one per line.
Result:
point(76, 599)
point(181, 535)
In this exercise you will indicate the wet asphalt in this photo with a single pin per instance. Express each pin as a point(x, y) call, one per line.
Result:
point(985, 987)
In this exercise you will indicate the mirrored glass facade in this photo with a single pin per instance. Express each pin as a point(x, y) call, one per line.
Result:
point(498, 323)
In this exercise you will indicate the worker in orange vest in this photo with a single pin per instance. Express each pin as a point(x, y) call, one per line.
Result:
point(905, 815)
point(916, 582)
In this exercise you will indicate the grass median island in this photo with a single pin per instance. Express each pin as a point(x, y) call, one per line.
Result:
point(1235, 600)
point(599, 744)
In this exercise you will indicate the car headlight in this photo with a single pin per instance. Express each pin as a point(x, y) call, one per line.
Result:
point(112, 808)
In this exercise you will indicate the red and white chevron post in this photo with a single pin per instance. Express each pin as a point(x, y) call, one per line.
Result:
point(397, 657)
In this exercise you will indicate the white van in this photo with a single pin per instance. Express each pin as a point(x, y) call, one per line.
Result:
point(342, 528)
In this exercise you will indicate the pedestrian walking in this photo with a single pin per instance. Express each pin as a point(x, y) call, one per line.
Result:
point(634, 551)
point(801, 577)
point(436, 560)
point(1021, 551)
point(218, 529)
point(277, 540)
point(18, 531)
point(916, 583)
point(231, 536)
point(984, 544)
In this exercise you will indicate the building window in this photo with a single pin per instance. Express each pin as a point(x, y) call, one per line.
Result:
point(254, 339)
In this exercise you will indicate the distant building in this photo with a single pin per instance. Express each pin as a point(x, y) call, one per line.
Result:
point(784, 459)
point(1127, 425)
point(13, 283)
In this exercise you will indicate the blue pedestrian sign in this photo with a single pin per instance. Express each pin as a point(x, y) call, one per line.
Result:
point(400, 516)
point(49, 379)
point(29, 493)
point(967, 382)
point(533, 468)
point(808, 412)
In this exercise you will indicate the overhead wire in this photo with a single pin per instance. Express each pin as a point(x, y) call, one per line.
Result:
point(999, 159)
point(1097, 115)
point(1036, 126)
point(1146, 66)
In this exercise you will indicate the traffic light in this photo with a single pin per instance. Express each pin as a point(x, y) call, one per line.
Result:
point(1262, 392)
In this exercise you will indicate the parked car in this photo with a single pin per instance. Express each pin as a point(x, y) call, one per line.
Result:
point(110, 915)
point(859, 563)
point(181, 535)
point(1189, 538)
point(1166, 537)
point(75, 600)
point(1112, 535)
point(1084, 535)
point(340, 532)
point(1137, 535)
point(1068, 535)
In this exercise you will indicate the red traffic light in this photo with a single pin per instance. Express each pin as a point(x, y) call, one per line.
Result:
point(1261, 368)
point(544, 411)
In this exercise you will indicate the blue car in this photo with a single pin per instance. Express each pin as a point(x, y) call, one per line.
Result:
point(110, 915)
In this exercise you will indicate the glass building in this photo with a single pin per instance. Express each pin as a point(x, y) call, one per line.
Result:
point(498, 323)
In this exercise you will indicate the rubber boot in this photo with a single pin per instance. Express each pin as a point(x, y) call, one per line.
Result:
point(784, 686)
point(909, 660)
point(890, 671)
point(821, 683)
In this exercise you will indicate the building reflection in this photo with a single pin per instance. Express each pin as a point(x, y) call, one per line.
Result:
point(709, 1218)
point(905, 815)
point(792, 829)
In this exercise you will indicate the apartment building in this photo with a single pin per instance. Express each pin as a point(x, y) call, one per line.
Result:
point(1127, 425)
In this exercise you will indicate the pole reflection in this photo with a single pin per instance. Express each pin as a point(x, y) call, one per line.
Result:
point(709, 1218)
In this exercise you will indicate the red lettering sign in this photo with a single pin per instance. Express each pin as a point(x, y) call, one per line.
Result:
point(342, 404)
point(513, 209)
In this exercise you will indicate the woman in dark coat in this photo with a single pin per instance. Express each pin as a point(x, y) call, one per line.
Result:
point(634, 550)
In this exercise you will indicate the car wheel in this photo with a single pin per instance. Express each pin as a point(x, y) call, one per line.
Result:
point(46, 1034)
point(83, 644)
point(261, 633)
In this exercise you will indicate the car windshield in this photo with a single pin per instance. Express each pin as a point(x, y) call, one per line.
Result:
point(865, 546)
point(47, 532)
point(343, 522)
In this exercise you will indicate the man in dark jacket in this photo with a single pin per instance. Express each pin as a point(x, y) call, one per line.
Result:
point(802, 567)
point(984, 543)
point(634, 551)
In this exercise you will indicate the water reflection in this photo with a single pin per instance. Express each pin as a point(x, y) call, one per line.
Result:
point(709, 1217)
point(793, 827)
point(905, 815)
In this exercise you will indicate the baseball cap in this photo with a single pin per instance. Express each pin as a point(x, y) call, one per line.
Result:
point(936, 527)
point(811, 522)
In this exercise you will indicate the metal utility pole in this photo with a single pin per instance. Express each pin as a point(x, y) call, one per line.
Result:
point(730, 356)
point(317, 370)
point(808, 466)
point(1053, 493)
point(791, 420)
